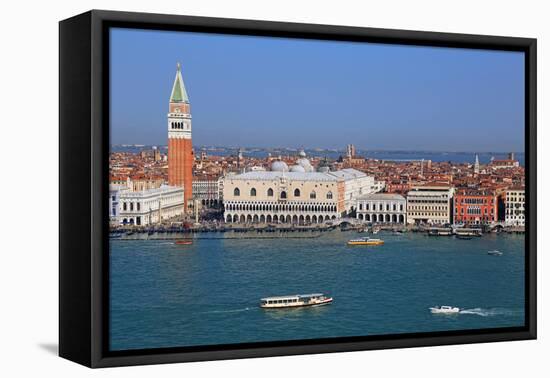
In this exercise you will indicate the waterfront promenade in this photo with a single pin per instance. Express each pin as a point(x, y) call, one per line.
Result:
point(171, 231)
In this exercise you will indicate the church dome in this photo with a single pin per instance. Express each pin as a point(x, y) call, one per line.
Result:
point(297, 168)
point(303, 162)
point(302, 153)
point(324, 169)
point(279, 166)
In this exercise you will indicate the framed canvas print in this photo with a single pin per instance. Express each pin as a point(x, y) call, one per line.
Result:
point(233, 188)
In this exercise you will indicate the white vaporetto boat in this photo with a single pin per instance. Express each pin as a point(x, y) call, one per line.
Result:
point(298, 300)
point(444, 310)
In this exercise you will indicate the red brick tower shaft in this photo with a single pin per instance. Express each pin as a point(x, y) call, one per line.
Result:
point(180, 146)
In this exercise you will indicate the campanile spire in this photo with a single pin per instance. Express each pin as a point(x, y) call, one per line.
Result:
point(179, 94)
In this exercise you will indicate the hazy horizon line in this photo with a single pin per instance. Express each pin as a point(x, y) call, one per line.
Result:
point(323, 148)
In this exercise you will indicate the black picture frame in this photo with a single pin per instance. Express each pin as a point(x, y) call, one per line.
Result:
point(83, 166)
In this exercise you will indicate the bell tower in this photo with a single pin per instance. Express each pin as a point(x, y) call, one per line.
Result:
point(180, 147)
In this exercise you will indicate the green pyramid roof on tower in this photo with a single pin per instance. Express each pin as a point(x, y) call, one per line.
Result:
point(179, 94)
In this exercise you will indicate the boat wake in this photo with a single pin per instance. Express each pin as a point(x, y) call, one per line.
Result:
point(487, 311)
point(226, 311)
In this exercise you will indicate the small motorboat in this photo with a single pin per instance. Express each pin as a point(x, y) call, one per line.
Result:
point(365, 241)
point(183, 242)
point(494, 253)
point(444, 310)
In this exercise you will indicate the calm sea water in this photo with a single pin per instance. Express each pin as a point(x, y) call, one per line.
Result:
point(165, 295)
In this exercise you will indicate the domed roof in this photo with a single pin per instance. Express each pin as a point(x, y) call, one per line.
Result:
point(297, 168)
point(279, 166)
point(323, 169)
point(303, 162)
point(302, 153)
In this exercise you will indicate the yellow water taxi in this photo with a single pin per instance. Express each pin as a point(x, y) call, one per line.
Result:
point(366, 241)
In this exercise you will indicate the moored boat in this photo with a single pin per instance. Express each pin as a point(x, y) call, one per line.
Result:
point(298, 300)
point(444, 310)
point(365, 241)
point(494, 253)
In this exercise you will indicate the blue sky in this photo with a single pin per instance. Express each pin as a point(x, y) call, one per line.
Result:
point(276, 92)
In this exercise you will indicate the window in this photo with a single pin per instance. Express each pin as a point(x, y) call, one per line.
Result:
point(131, 206)
point(283, 194)
point(312, 195)
point(296, 192)
point(270, 192)
point(329, 195)
point(253, 192)
point(236, 192)
point(138, 206)
point(124, 206)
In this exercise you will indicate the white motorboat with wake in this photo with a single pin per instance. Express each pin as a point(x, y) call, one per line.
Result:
point(444, 310)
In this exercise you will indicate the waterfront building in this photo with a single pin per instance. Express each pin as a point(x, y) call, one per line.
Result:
point(180, 146)
point(114, 202)
point(150, 206)
point(430, 203)
point(356, 184)
point(515, 206)
point(206, 190)
point(220, 188)
point(475, 206)
point(297, 195)
point(282, 197)
point(382, 208)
